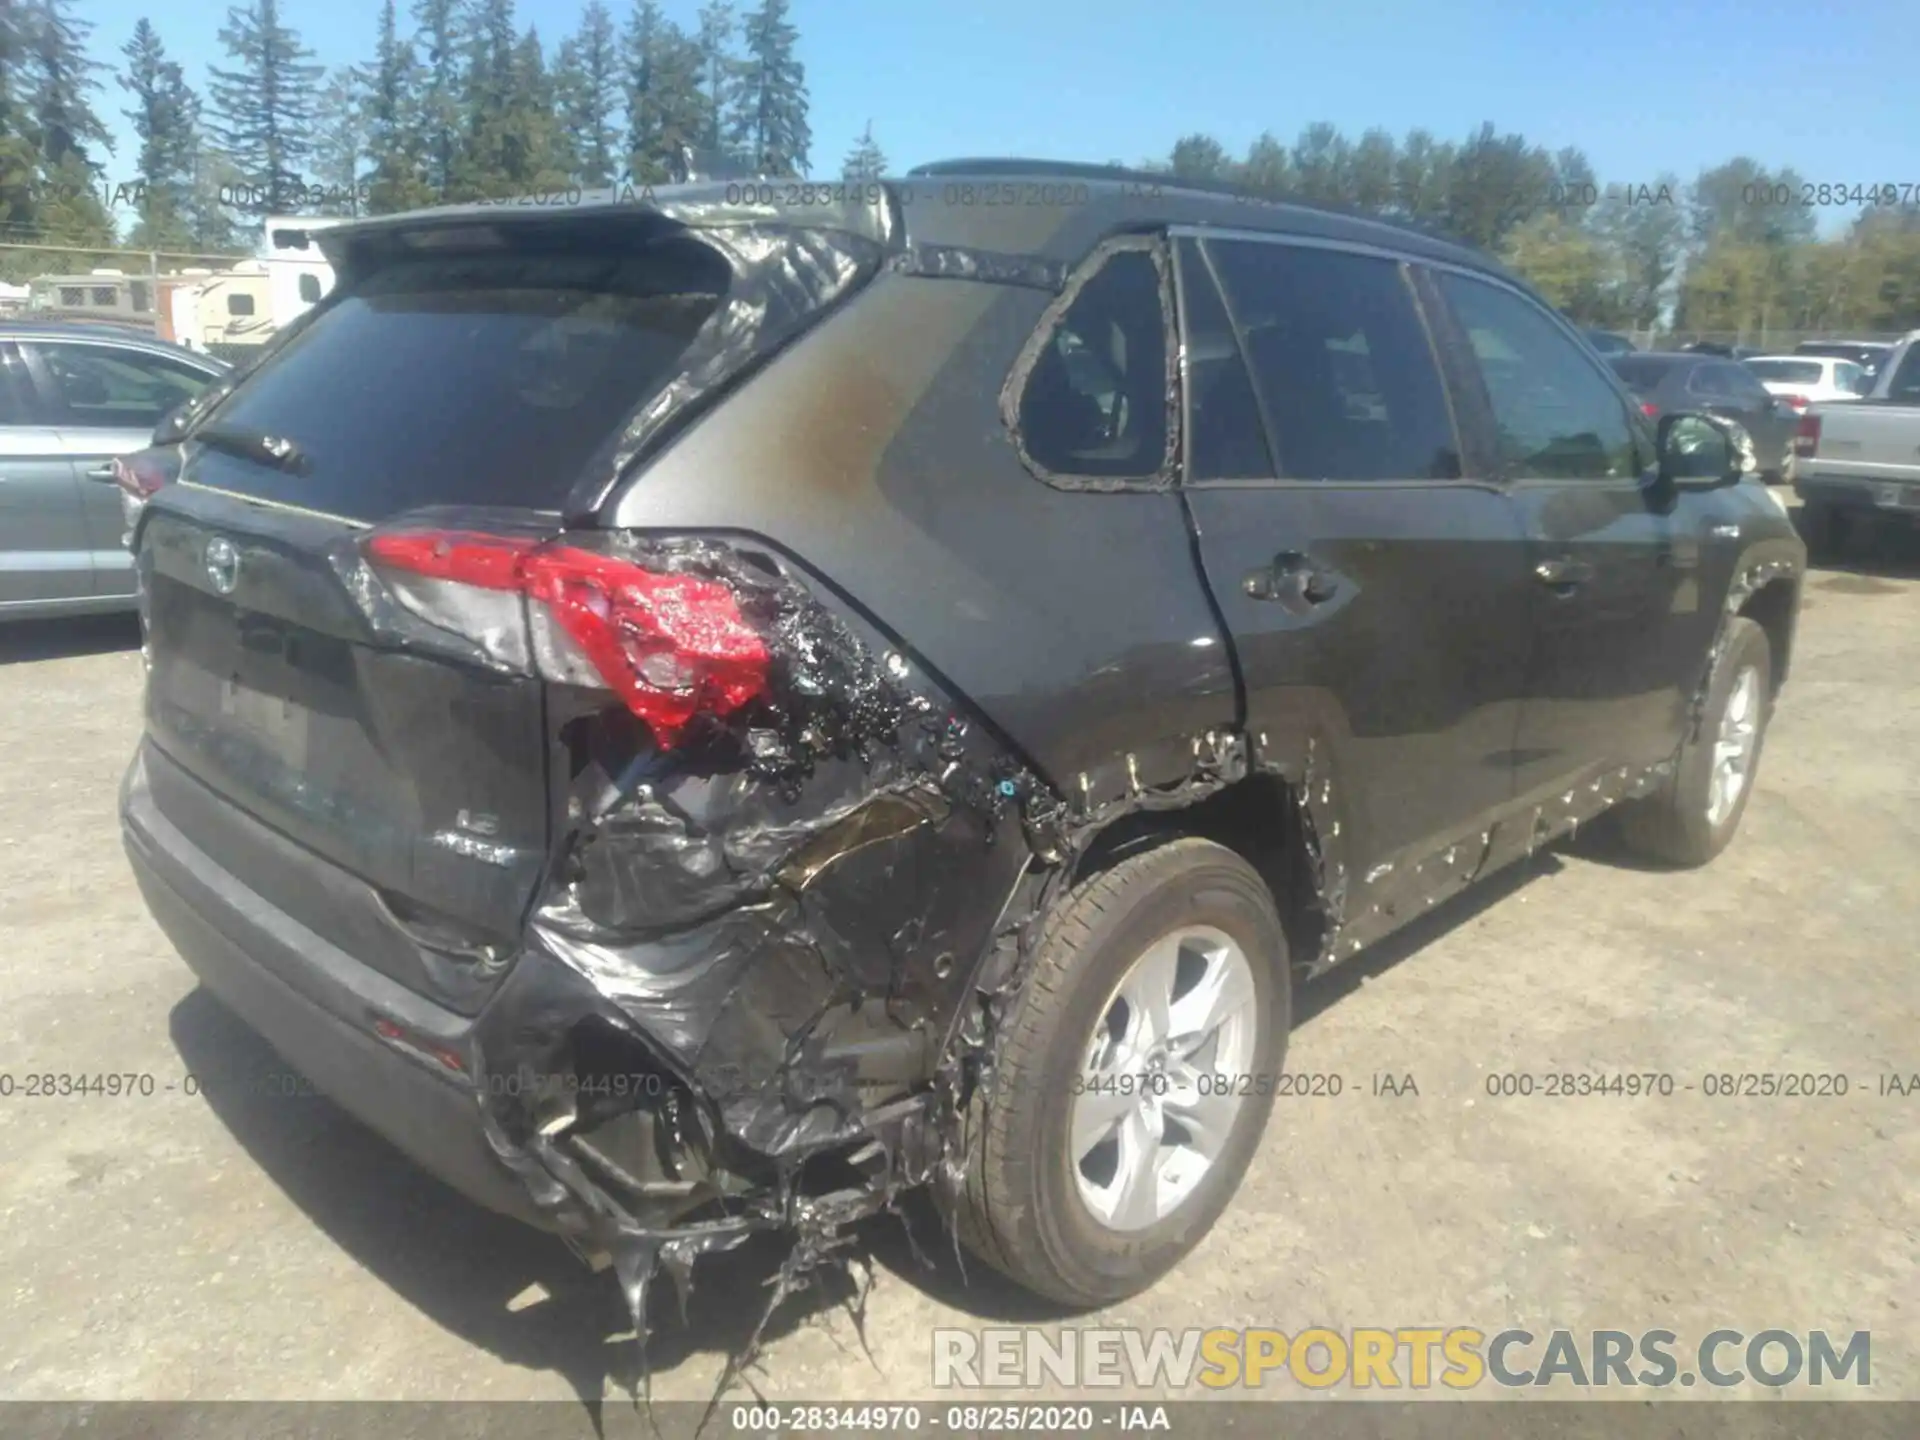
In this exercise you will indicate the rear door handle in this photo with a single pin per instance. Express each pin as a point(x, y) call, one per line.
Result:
point(1563, 574)
point(1293, 580)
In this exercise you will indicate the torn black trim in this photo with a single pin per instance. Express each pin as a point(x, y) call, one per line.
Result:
point(1166, 477)
point(993, 267)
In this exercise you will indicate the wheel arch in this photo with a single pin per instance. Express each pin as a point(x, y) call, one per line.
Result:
point(1774, 606)
point(1261, 818)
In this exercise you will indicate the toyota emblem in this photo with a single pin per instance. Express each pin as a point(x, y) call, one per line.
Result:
point(223, 566)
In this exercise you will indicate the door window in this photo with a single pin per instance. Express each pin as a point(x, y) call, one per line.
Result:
point(1227, 438)
point(98, 387)
point(1095, 401)
point(1556, 415)
point(1342, 362)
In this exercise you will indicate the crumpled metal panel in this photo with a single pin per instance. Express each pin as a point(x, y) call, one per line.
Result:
point(813, 913)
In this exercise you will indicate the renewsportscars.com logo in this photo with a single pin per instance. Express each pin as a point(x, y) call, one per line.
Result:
point(1402, 1358)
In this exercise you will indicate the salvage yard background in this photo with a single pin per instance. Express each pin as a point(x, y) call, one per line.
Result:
point(246, 1241)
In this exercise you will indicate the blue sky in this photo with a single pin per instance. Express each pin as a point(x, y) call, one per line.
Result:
point(1641, 85)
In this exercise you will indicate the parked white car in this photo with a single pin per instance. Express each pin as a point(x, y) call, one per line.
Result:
point(1803, 380)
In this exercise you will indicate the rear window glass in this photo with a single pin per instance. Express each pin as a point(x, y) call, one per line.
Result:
point(472, 380)
point(1642, 375)
point(1789, 372)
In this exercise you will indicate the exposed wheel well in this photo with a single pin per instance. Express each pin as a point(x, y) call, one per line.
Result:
point(1771, 608)
point(1259, 819)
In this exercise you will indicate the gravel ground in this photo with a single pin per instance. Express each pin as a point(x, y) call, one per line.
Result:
point(226, 1245)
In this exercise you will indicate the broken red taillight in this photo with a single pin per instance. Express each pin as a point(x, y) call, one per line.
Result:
point(1649, 409)
point(1795, 402)
point(670, 646)
point(1806, 436)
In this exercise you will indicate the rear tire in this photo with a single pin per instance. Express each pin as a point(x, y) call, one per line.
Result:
point(1069, 1226)
point(1693, 817)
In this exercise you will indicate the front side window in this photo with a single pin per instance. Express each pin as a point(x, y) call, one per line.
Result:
point(239, 304)
point(1557, 417)
point(74, 296)
point(98, 387)
point(1095, 400)
point(310, 289)
point(1850, 377)
point(1342, 360)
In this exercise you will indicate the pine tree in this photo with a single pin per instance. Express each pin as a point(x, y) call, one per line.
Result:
point(209, 210)
point(770, 109)
point(536, 154)
point(664, 105)
point(866, 161)
point(586, 83)
point(62, 78)
point(439, 34)
point(719, 75)
point(51, 98)
point(340, 146)
point(263, 110)
point(394, 144)
point(166, 117)
point(19, 205)
point(484, 168)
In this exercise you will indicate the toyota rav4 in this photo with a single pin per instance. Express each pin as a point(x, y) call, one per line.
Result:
point(699, 713)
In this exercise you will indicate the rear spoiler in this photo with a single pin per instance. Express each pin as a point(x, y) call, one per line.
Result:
point(867, 210)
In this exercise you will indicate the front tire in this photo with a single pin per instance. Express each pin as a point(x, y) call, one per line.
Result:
point(1133, 1077)
point(1693, 817)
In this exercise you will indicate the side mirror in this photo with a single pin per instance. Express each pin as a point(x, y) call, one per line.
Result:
point(1703, 450)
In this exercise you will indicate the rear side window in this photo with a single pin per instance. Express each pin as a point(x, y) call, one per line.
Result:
point(1707, 380)
point(1643, 375)
point(470, 379)
point(1556, 416)
point(1787, 372)
point(1906, 380)
point(1850, 377)
point(1741, 384)
point(1342, 362)
point(1095, 401)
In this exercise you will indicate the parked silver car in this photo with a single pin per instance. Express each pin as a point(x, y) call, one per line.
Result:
point(72, 398)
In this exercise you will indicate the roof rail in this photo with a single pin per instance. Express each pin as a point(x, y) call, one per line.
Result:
point(1166, 179)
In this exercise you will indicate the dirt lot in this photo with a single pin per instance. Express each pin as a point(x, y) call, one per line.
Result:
point(235, 1245)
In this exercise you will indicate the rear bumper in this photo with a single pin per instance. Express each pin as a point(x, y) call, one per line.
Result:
point(316, 1006)
point(1894, 498)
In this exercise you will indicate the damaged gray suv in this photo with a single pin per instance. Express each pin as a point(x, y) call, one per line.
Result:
point(700, 713)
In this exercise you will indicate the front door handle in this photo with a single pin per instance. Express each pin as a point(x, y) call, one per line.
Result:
point(1563, 574)
point(1293, 580)
point(100, 472)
